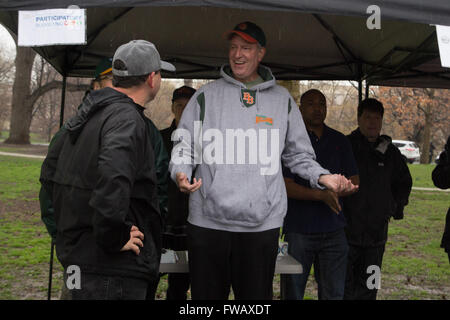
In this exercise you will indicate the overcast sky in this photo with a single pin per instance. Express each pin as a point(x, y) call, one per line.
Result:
point(7, 46)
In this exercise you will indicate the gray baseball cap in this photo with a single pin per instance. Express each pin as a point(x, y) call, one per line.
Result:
point(139, 57)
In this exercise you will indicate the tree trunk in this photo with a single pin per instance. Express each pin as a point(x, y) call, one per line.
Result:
point(19, 132)
point(425, 154)
point(428, 112)
point(23, 99)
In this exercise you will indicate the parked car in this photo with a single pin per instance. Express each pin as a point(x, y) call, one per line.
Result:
point(408, 149)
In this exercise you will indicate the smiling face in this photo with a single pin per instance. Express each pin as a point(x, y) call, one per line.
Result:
point(244, 58)
point(370, 123)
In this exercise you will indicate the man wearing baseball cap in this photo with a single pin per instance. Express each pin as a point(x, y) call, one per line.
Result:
point(104, 78)
point(102, 177)
point(236, 209)
point(103, 74)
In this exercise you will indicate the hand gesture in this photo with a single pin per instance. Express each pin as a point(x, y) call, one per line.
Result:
point(185, 186)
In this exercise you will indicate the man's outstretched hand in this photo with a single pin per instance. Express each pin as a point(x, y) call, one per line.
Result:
point(185, 186)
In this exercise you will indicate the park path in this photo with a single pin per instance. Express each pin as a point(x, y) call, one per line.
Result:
point(21, 155)
point(430, 189)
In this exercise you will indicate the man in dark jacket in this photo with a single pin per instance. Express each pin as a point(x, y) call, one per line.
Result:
point(102, 179)
point(385, 185)
point(314, 223)
point(174, 236)
point(103, 79)
point(441, 179)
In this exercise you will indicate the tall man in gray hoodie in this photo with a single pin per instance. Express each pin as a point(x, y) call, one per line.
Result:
point(234, 133)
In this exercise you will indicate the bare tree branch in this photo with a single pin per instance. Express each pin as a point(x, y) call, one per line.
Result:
point(55, 84)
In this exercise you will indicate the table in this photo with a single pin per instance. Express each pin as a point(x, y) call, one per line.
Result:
point(177, 262)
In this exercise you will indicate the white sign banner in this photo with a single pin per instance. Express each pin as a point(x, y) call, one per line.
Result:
point(443, 37)
point(52, 27)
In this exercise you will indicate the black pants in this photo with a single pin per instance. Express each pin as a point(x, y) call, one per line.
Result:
point(359, 259)
point(102, 287)
point(178, 286)
point(220, 259)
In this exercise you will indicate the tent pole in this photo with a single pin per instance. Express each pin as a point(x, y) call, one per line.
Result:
point(50, 272)
point(359, 70)
point(63, 100)
point(52, 244)
point(359, 91)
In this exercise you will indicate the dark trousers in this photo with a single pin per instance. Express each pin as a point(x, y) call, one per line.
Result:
point(220, 259)
point(359, 259)
point(178, 286)
point(151, 289)
point(328, 253)
point(102, 287)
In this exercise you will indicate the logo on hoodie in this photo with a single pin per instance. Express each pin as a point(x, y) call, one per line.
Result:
point(248, 97)
point(267, 120)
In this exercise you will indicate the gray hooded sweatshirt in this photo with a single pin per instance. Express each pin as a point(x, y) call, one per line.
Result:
point(234, 139)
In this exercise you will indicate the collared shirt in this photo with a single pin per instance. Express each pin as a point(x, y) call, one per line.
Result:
point(333, 152)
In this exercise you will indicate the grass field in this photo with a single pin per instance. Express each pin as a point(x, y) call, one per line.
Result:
point(414, 267)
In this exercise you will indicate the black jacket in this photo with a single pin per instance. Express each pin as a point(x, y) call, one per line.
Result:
point(101, 176)
point(174, 236)
point(161, 163)
point(441, 179)
point(385, 185)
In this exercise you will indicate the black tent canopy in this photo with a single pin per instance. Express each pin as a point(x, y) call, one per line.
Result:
point(307, 40)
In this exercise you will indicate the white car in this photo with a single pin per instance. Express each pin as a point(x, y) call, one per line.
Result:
point(408, 149)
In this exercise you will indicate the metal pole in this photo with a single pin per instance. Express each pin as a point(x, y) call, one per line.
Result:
point(50, 273)
point(359, 83)
point(52, 245)
point(359, 91)
point(367, 89)
point(63, 100)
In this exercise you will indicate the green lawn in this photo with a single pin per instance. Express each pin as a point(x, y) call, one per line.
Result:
point(414, 266)
point(421, 175)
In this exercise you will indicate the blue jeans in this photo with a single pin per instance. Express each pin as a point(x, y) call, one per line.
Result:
point(103, 287)
point(328, 253)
